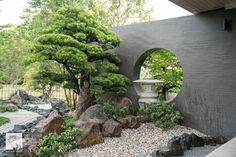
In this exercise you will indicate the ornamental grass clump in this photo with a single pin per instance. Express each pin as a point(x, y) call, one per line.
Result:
point(163, 115)
point(4, 120)
point(114, 111)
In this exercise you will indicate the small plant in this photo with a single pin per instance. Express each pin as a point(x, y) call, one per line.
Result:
point(69, 120)
point(53, 144)
point(163, 115)
point(4, 120)
point(8, 108)
point(112, 110)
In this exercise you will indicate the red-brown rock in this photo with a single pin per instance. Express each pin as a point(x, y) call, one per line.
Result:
point(52, 124)
point(91, 135)
point(131, 122)
point(121, 101)
point(111, 128)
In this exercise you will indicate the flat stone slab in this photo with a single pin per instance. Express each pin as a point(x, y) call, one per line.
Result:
point(20, 117)
point(226, 150)
point(40, 106)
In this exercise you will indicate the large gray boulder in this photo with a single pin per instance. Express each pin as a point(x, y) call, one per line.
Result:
point(162, 152)
point(20, 98)
point(197, 141)
point(175, 146)
point(94, 114)
point(58, 104)
point(111, 128)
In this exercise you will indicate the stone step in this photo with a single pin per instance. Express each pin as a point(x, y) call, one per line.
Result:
point(226, 150)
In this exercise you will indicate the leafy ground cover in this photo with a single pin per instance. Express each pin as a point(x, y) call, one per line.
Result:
point(4, 120)
point(8, 108)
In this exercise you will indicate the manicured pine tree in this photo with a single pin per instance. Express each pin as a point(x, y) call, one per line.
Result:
point(81, 46)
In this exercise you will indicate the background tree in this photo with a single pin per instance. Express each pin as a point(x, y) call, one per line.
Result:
point(80, 45)
point(164, 66)
point(108, 12)
point(13, 48)
point(122, 12)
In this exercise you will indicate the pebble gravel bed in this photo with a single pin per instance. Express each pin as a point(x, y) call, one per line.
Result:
point(139, 142)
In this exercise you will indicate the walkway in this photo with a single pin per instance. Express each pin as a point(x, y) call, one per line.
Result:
point(226, 150)
point(20, 117)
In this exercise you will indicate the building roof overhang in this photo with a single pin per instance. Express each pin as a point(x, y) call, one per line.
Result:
point(199, 6)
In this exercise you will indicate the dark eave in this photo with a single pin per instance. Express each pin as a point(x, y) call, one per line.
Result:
point(198, 6)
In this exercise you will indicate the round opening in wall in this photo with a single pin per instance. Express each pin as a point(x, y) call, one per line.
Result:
point(163, 65)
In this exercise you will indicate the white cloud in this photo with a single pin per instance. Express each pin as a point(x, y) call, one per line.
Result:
point(163, 9)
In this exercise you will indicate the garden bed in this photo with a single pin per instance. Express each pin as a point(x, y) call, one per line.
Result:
point(134, 142)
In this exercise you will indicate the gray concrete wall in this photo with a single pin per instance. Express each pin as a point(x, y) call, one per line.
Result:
point(208, 57)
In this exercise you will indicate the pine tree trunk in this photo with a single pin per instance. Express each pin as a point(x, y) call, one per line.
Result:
point(85, 101)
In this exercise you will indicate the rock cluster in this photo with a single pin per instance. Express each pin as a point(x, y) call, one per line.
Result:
point(178, 144)
point(22, 99)
point(95, 125)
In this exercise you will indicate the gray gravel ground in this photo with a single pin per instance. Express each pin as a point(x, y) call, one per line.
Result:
point(139, 142)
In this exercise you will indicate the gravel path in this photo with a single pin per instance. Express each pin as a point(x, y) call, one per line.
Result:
point(139, 142)
point(19, 117)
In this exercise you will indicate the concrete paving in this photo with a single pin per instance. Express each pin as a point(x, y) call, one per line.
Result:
point(226, 150)
point(20, 117)
point(199, 151)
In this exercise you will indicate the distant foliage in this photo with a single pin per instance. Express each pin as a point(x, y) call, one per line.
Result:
point(163, 115)
point(58, 145)
point(107, 12)
point(165, 66)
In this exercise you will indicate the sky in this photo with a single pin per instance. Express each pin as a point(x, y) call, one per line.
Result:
point(163, 9)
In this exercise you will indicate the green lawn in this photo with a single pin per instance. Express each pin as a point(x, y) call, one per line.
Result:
point(8, 108)
point(4, 120)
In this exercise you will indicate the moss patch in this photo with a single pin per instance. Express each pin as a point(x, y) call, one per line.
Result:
point(8, 108)
point(4, 120)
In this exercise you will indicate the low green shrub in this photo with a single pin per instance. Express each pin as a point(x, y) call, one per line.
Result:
point(69, 120)
point(112, 110)
point(8, 108)
point(163, 115)
point(4, 120)
point(53, 145)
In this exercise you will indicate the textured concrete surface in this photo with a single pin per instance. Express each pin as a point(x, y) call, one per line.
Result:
point(226, 150)
point(207, 54)
point(19, 117)
point(199, 151)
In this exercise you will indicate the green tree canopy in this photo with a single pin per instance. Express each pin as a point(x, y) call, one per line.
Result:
point(164, 66)
point(80, 45)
